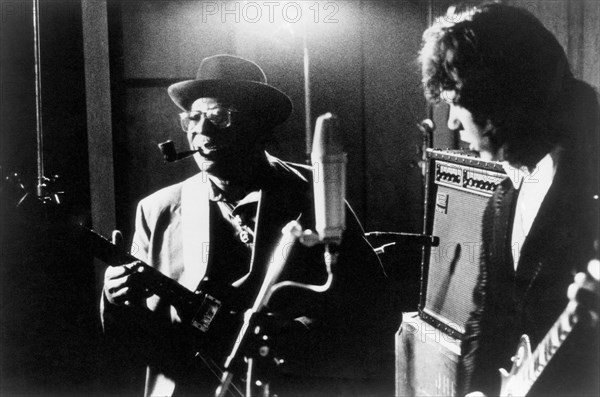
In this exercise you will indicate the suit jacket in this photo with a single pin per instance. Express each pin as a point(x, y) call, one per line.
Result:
point(173, 235)
point(528, 301)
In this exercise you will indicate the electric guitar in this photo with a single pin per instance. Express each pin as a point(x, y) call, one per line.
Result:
point(527, 366)
point(198, 309)
point(213, 313)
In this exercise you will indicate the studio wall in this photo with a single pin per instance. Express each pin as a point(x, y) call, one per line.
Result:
point(576, 25)
point(362, 68)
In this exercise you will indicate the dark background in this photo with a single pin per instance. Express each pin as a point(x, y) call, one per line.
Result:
point(103, 118)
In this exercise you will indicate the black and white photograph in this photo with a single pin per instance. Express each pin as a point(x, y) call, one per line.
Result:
point(387, 198)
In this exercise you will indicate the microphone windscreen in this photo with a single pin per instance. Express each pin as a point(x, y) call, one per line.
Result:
point(329, 179)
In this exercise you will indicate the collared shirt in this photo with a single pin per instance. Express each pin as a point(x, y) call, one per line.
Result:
point(533, 187)
point(232, 235)
point(240, 214)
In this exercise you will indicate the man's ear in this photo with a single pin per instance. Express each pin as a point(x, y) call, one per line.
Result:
point(489, 133)
point(500, 154)
point(489, 128)
point(494, 141)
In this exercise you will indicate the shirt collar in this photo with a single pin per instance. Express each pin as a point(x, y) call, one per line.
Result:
point(263, 177)
point(216, 194)
point(544, 170)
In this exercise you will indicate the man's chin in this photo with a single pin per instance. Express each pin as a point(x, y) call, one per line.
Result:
point(209, 154)
point(485, 153)
point(487, 156)
point(205, 163)
point(218, 162)
point(213, 162)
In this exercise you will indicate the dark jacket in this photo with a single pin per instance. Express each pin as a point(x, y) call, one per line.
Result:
point(528, 301)
point(334, 332)
point(560, 243)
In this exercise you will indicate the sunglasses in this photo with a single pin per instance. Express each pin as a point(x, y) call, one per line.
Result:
point(219, 116)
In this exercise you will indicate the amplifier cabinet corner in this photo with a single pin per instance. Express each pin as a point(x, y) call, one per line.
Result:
point(426, 359)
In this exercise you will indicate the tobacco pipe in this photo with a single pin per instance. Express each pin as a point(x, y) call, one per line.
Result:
point(170, 154)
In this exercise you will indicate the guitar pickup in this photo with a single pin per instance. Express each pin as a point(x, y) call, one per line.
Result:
point(206, 313)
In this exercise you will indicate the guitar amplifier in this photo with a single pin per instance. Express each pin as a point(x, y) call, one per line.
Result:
point(426, 359)
point(458, 186)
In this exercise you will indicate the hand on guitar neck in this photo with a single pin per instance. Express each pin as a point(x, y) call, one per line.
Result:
point(583, 308)
point(124, 285)
point(129, 282)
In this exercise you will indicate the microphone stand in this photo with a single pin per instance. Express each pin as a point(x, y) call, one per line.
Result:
point(254, 341)
point(41, 180)
point(290, 233)
point(43, 193)
point(307, 103)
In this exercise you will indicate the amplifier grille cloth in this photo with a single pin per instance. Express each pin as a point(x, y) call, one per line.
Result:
point(454, 265)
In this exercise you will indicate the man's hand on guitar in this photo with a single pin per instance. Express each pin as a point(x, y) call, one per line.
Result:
point(584, 292)
point(124, 285)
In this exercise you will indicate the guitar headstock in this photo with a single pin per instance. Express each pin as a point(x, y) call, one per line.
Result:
point(584, 294)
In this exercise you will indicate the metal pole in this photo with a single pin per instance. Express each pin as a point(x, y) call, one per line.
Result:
point(429, 23)
point(38, 100)
point(307, 112)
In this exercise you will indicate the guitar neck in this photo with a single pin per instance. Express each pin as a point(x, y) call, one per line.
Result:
point(549, 345)
point(161, 285)
point(101, 247)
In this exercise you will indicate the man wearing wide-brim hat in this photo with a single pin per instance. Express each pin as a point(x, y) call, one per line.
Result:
point(224, 224)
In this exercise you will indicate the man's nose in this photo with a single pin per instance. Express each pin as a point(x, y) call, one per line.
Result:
point(453, 122)
point(203, 126)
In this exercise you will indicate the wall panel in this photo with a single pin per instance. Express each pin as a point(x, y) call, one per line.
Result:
point(576, 25)
point(394, 104)
point(362, 68)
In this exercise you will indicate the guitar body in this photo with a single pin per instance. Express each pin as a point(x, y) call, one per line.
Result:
point(518, 381)
point(527, 365)
point(212, 317)
point(215, 323)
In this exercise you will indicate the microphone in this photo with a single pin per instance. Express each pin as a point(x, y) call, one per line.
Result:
point(170, 154)
point(426, 127)
point(329, 180)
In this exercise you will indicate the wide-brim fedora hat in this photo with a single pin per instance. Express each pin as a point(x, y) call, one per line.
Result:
point(238, 81)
